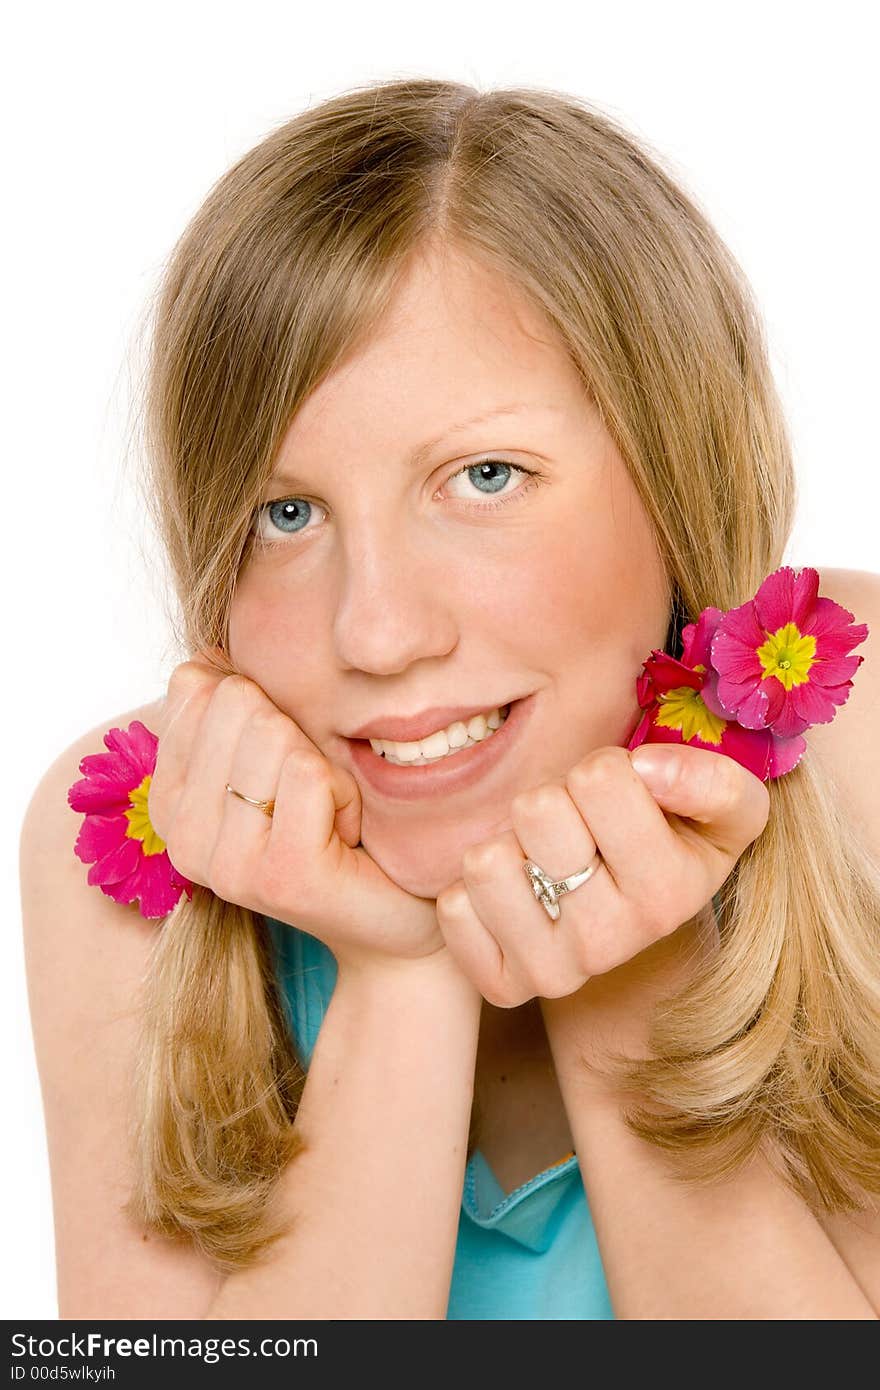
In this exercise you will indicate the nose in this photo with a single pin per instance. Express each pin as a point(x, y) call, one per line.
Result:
point(395, 604)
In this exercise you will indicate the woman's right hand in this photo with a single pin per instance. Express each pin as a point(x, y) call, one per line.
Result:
point(304, 864)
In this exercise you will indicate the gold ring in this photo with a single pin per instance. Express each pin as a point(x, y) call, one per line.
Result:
point(267, 807)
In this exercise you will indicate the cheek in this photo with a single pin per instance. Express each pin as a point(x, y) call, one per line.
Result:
point(275, 635)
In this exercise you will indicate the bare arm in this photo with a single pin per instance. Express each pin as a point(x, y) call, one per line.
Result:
point(746, 1249)
point(376, 1194)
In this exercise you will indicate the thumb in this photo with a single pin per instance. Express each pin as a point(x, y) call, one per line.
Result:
point(347, 796)
point(707, 787)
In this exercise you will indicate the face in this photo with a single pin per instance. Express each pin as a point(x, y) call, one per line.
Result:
point(404, 564)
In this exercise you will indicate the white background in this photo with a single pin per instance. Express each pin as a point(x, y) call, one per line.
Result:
point(117, 120)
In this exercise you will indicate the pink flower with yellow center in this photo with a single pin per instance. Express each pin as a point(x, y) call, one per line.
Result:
point(680, 705)
point(782, 658)
point(129, 860)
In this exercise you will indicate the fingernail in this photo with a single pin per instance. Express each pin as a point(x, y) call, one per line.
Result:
point(656, 771)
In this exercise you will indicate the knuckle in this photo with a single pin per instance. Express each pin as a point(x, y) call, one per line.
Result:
point(480, 862)
point(501, 994)
point(653, 924)
point(539, 802)
point(722, 786)
point(240, 692)
point(600, 770)
point(265, 720)
point(544, 984)
point(186, 678)
point(451, 902)
point(275, 886)
point(185, 862)
point(559, 988)
point(307, 764)
point(224, 878)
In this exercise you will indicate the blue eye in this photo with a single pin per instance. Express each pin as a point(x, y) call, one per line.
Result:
point(481, 473)
point(287, 516)
point(492, 476)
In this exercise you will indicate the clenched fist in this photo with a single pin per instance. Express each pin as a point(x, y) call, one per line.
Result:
point(657, 870)
point(302, 865)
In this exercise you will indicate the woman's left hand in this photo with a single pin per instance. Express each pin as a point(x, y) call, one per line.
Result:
point(658, 870)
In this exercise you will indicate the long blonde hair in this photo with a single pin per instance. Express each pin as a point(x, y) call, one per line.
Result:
point(290, 261)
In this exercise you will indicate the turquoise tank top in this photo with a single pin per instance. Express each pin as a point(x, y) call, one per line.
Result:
point(527, 1254)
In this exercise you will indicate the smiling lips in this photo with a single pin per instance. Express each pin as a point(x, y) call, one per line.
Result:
point(444, 773)
point(445, 741)
point(412, 728)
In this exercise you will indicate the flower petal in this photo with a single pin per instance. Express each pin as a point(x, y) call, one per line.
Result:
point(743, 623)
point(99, 836)
point(119, 864)
point(785, 754)
point(816, 704)
point(640, 732)
point(750, 704)
point(158, 894)
point(789, 724)
point(110, 766)
point(775, 599)
point(98, 794)
point(696, 638)
point(749, 747)
point(711, 700)
point(835, 670)
point(137, 744)
point(805, 589)
point(829, 617)
point(733, 658)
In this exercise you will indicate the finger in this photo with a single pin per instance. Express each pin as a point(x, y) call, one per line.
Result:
point(639, 847)
point(200, 805)
point(550, 957)
point(554, 835)
point(315, 798)
point(189, 694)
point(550, 832)
point(728, 801)
point(266, 739)
point(320, 877)
point(474, 949)
point(195, 677)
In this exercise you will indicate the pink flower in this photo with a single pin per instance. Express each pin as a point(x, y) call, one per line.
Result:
point(782, 658)
point(129, 860)
point(680, 701)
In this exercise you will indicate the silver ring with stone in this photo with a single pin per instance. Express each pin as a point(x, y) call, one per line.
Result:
point(548, 890)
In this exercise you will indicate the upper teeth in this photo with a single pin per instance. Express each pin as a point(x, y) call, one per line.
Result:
point(444, 741)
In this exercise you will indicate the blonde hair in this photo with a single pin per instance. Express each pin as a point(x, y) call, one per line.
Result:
point(288, 264)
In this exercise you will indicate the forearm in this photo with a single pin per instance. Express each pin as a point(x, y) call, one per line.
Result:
point(375, 1196)
point(744, 1249)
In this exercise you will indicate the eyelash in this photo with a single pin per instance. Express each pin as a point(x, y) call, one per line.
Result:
point(531, 473)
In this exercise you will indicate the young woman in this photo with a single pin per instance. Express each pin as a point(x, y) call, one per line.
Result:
point(459, 408)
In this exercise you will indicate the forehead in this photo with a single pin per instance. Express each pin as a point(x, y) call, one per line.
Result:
point(458, 341)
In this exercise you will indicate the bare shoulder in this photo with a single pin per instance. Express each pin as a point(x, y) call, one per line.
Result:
point(86, 957)
point(49, 869)
point(848, 747)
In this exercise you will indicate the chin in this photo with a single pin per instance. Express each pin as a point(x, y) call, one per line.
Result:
point(419, 870)
point(426, 859)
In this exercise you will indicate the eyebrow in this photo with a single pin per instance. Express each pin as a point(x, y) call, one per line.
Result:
point(422, 452)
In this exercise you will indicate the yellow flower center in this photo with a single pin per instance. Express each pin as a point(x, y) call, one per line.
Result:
point(683, 709)
point(138, 817)
point(788, 655)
